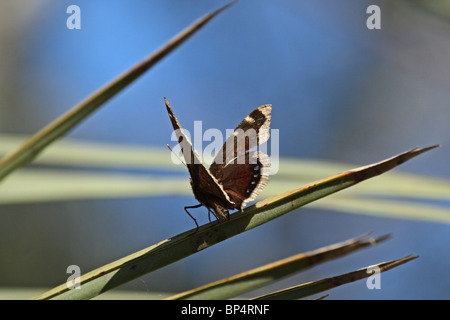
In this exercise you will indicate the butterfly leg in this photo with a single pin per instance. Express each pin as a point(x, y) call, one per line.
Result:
point(192, 207)
point(209, 214)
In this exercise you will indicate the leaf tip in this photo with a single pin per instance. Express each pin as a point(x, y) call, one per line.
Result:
point(381, 238)
point(418, 150)
point(216, 12)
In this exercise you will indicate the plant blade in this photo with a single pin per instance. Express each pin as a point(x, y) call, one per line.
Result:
point(314, 287)
point(33, 146)
point(275, 206)
point(187, 243)
point(255, 278)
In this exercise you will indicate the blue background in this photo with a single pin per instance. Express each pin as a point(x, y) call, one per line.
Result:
point(339, 92)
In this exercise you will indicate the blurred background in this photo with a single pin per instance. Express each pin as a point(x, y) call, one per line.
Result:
point(340, 92)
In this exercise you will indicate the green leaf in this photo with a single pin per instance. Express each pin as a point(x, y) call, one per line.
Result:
point(33, 146)
point(185, 244)
point(82, 154)
point(252, 279)
point(385, 208)
point(43, 185)
point(314, 287)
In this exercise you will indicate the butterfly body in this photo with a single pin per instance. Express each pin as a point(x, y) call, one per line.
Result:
point(236, 175)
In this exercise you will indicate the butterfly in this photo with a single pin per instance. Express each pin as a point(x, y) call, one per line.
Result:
point(236, 175)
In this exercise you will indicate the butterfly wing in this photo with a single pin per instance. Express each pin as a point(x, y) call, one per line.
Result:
point(205, 186)
point(244, 173)
point(251, 132)
point(243, 182)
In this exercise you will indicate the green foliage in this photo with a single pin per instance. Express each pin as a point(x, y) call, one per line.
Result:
point(62, 185)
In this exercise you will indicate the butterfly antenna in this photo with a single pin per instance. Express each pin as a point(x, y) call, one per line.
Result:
point(176, 156)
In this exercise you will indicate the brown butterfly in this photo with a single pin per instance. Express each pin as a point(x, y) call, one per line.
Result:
point(237, 175)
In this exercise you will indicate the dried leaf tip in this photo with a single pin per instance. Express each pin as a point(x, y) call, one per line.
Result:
point(420, 150)
point(216, 12)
